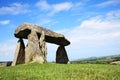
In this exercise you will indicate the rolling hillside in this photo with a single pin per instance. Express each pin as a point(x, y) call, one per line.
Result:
point(104, 59)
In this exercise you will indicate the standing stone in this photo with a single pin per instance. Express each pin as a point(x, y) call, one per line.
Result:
point(36, 50)
point(61, 55)
point(43, 45)
point(33, 52)
point(19, 56)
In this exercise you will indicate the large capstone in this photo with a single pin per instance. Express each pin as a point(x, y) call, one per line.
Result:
point(52, 37)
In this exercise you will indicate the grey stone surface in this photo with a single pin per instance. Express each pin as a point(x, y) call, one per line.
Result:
point(19, 55)
point(43, 45)
point(61, 55)
point(52, 37)
point(36, 50)
point(33, 52)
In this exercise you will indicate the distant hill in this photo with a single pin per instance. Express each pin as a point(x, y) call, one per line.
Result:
point(5, 63)
point(104, 59)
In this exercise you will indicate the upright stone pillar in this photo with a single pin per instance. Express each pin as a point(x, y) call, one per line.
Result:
point(43, 45)
point(61, 55)
point(36, 50)
point(33, 52)
point(19, 56)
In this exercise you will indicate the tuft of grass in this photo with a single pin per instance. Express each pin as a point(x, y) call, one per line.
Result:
point(52, 71)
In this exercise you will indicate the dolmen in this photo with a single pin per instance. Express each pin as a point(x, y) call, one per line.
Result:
point(36, 50)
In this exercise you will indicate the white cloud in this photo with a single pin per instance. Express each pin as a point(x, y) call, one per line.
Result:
point(54, 8)
point(108, 3)
point(100, 23)
point(15, 8)
point(98, 31)
point(46, 22)
point(51, 51)
point(61, 7)
point(43, 5)
point(113, 15)
point(8, 47)
point(4, 22)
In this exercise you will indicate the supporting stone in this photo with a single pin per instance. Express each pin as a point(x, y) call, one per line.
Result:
point(43, 45)
point(61, 55)
point(33, 52)
point(19, 56)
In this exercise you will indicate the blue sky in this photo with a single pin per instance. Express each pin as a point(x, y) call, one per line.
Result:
point(92, 26)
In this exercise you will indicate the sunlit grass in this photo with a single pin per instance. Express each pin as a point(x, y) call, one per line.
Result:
point(50, 71)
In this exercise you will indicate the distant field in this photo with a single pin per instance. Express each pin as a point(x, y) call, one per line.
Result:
point(51, 71)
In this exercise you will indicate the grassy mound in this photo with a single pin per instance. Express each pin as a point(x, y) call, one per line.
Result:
point(51, 71)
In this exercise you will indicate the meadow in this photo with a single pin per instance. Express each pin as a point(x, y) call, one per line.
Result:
point(52, 71)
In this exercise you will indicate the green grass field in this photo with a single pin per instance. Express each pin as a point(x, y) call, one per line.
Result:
point(51, 71)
